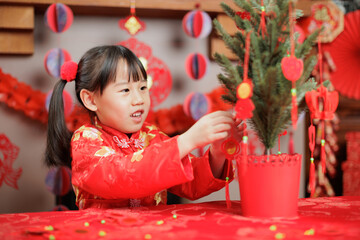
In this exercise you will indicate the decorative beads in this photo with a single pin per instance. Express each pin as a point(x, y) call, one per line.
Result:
point(293, 92)
point(273, 228)
point(322, 142)
point(310, 231)
point(102, 233)
point(86, 224)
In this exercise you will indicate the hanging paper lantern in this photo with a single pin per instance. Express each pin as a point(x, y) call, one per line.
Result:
point(58, 17)
point(197, 24)
point(196, 105)
point(58, 180)
point(68, 102)
point(196, 65)
point(54, 59)
point(159, 77)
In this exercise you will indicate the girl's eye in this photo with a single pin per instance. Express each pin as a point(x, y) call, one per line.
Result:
point(143, 88)
point(125, 90)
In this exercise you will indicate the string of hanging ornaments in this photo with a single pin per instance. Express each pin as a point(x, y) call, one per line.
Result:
point(321, 103)
point(58, 18)
point(159, 76)
point(196, 24)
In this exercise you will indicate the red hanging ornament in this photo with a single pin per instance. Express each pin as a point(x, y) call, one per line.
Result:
point(262, 25)
point(329, 100)
point(292, 69)
point(230, 148)
point(311, 133)
point(132, 24)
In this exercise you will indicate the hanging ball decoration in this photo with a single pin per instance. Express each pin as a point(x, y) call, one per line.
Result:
point(68, 102)
point(197, 24)
point(54, 59)
point(58, 17)
point(58, 180)
point(196, 65)
point(197, 105)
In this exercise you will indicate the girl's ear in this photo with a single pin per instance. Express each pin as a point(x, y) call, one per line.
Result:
point(88, 100)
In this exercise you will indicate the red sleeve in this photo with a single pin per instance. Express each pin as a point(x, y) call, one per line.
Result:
point(204, 182)
point(105, 172)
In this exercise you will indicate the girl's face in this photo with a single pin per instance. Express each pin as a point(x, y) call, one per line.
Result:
point(123, 105)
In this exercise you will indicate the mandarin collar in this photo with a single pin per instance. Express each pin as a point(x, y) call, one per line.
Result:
point(113, 132)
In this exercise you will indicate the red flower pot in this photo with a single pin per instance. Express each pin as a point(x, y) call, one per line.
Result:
point(269, 185)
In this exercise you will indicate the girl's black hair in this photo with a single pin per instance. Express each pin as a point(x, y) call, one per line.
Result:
point(96, 69)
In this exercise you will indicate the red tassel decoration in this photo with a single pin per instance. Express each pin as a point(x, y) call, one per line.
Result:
point(291, 143)
point(227, 191)
point(262, 25)
point(322, 153)
point(294, 109)
point(311, 132)
point(312, 177)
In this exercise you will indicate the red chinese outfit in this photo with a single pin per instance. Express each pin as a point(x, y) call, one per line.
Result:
point(111, 170)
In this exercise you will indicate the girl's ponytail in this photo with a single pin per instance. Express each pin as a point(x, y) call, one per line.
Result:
point(58, 135)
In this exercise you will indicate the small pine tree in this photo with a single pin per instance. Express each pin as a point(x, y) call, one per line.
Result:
point(271, 90)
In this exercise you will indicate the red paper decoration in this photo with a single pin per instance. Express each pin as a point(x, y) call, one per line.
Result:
point(344, 50)
point(9, 153)
point(156, 69)
point(329, 100)
point(58, 17)
point(58, 180)
point(132, 25)
point(68, 102)
point(292, 68)
point(197, 24)
point(196, 105)
point(54, 59)
point(196, 65)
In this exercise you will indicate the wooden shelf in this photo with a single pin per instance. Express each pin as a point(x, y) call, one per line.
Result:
point(144, 8)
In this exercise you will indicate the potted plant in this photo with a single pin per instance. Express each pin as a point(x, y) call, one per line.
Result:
point(263, 44)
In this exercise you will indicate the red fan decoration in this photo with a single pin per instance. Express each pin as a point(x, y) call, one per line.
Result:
point(345, 52)
point(54, 59)
point(196, 65)
point(157, 70)
point(58, 17)
point(197, 24)
point(9, 153)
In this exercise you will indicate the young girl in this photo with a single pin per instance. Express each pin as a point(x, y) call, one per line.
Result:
point(120, 160)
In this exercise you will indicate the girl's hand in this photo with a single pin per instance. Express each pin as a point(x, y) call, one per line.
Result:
point(212, 127)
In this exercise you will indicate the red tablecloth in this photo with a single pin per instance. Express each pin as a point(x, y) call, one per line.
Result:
point(319, 218)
